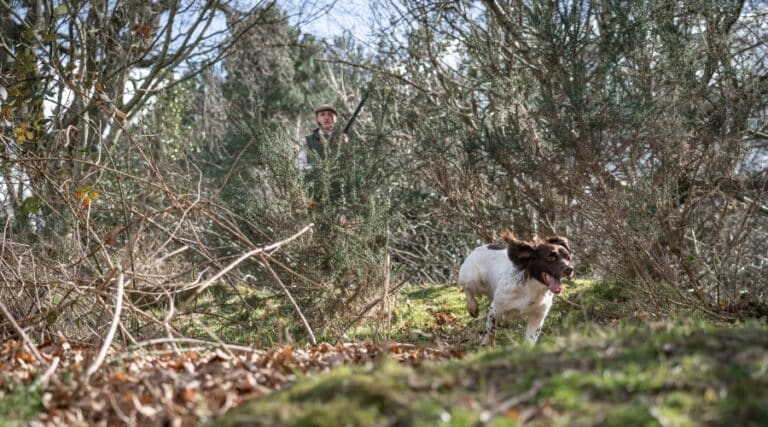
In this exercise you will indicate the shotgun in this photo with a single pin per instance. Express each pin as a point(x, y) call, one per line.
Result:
point(354, 115)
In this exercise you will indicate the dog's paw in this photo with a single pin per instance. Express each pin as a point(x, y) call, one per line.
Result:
point(472, 308)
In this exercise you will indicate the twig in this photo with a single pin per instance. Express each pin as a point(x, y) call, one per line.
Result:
point(5, 230)
point(22, 334)
point(371, 305)
point(43, 380)
point(112, 328)
point(191, 340)
point(213, 336)
point(487, 415)
point(242, 258)
point(293, 272)
point(290, 298)
point(571, 303)
point(119, 412)
point(385, 303)
point(149, 353)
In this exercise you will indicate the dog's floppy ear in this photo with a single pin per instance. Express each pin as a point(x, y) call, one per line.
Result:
point(520, 253)
point(562, 241)
point(508, 237)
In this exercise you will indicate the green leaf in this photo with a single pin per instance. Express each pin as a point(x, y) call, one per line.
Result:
point(31, 205)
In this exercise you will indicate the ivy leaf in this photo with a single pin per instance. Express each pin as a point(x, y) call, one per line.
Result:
point(31, 205)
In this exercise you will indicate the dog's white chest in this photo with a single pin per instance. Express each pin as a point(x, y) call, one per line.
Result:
point(523, 298)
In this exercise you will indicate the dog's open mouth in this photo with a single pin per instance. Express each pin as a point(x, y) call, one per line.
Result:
point(554, 284)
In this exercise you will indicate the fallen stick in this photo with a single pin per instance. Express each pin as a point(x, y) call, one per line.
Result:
point(112, 328)
point(290, 298)
point(243, 257)
point(22, 334)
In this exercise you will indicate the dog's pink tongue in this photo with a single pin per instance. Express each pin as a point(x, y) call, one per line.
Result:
point(554, 285)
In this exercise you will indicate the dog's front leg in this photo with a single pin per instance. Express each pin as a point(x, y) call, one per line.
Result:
point(490, 327)
point(472, 307)
point(535, 321)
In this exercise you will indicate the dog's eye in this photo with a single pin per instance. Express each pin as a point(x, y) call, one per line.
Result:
point(551, 257)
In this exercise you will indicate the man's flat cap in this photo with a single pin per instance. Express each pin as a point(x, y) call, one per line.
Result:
point(326, 107)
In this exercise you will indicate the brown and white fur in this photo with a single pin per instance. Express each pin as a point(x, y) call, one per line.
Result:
point(519, 279)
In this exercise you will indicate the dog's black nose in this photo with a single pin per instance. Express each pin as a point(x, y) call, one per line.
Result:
point(569, 270)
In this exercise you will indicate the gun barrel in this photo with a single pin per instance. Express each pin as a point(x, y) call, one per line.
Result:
point(354, 115)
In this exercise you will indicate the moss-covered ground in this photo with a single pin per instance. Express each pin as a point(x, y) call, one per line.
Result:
point(598, 363)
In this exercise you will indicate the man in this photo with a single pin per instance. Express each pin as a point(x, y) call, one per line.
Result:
point(320, 138)
point(317, 157)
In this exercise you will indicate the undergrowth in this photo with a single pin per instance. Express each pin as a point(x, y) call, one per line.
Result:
point(654, 374)
point(420, 313)
point(600, 361)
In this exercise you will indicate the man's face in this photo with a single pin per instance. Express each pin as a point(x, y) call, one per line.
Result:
point(325, 119)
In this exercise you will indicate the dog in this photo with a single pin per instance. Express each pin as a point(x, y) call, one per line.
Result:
point(520, 280)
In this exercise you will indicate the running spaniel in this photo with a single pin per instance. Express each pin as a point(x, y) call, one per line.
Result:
point(519, 278)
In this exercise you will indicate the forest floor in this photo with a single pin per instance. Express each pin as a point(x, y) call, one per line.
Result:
point(598, 363)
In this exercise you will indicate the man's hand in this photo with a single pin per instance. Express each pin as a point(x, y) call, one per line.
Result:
point(344, 138)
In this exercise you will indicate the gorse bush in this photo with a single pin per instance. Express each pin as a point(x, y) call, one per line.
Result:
point(340, 264)
point(628, 129)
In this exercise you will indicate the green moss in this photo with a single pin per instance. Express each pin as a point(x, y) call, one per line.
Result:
point(422, 314)
point(676, 409)
point(629, 414)
point(595, 368)
point(630, 378)
point(749, 410)
point(691, 369)
point(591, 301)
point(342, 412)
point(419, 313)
point(566, 390)
point(674, 374)
point(20, 404)
point(246, 315)
point(369, 396)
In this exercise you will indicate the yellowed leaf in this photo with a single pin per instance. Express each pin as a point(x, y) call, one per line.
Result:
point(6, 112)
point(87, 195)
point(189, 394)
